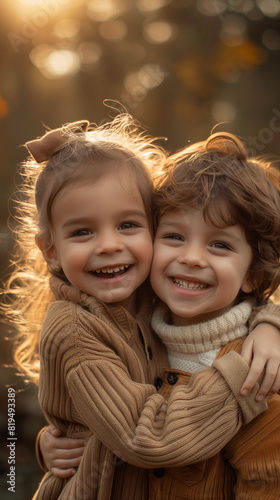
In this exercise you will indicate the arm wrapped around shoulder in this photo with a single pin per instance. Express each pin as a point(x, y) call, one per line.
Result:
point(267, 313)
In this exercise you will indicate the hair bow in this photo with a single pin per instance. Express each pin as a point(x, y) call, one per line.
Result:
point(42, 149)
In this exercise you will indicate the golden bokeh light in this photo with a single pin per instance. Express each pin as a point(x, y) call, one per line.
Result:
point(159, 32)
point(234, 30)
point(211, 8)
point(133, 85)
point(30, 2)
point(105, 10)
point(270, 8)
point(67, 28)
point(39, 55)
point(49, 6)
point(151, 5)
point(151, 75)
point(55, 63)
point(61, 63)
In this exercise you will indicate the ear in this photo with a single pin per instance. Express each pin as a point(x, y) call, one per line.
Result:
point(49, 252)
point(246, 285)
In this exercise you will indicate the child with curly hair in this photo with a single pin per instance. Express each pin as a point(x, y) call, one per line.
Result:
point(216, 251)
point(88, 205)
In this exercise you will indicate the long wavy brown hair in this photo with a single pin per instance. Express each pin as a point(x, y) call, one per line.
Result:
point(102, 150)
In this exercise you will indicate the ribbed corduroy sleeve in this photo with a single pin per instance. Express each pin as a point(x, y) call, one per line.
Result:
point(254, 454)
point(234, 369)
point(269, 313)
point(144, 429)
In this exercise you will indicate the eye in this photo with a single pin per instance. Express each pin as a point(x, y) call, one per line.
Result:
point(81, 232)
point(128, 225)
point(220, 245)
point(173, 236)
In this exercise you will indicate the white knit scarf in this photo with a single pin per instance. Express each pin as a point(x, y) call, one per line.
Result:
point(194, 347)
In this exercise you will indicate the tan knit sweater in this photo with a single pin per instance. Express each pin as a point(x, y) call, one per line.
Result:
point(98, 367)
point(194, 347)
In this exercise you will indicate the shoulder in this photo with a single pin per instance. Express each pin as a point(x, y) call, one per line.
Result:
point(67, 316)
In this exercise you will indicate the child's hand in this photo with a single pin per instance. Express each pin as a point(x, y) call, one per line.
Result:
point(61, 455)
point(261, 350)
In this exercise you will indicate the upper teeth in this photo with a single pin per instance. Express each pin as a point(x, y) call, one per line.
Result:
point(111, 269)
point(189, 285)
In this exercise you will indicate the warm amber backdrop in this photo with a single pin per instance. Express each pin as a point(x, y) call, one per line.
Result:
point(178, 66)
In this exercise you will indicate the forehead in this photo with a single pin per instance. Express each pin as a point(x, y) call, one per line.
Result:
point(216, 210)
point(91, 174)
point(106, 190)
point(95, 203)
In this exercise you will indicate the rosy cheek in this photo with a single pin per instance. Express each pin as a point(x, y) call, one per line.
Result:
point(76, 258)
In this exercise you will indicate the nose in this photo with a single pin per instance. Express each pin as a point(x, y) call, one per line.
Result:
point(108, 242)
point(193, 255)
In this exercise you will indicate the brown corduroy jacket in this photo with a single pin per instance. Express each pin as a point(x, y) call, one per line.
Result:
point(98, 370)
point(247, 468)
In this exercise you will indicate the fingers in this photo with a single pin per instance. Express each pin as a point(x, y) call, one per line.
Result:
point(54, 431)
point(65, 462)
point(61, 455)
point(63, 473)
point(54, 442)
point(255, 371)
point(71, 463)
point(65, 468)
point(271, 380)
point(247, 350)
point(66, 455)
point(268, 376)
point(261, 350)
point(65, 445)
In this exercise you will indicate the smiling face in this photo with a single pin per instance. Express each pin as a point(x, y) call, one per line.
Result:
point(198, 269)
point(101, 237)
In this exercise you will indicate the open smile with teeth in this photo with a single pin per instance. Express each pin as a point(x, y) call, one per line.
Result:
point(189, 285)
point(110, 272)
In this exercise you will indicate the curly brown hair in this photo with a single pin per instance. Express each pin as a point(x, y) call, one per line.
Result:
point(203, 174)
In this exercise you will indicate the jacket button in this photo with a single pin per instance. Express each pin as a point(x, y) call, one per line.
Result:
point(158, 383)
point(159, 472)
point(150, 353)
point(172, 378)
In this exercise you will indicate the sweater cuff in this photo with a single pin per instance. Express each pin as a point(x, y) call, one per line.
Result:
point(234, 370)
point(269, 313)
point(38, 452)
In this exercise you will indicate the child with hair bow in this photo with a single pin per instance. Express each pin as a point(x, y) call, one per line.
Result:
point(89, 208)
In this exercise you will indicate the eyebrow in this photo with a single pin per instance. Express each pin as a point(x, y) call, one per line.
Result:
point(229, 233)
point(131, 213)
point(87, 220)
point(75, 221)
point(170, 223)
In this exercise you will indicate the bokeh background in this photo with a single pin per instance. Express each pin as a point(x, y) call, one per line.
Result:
point(179, 66)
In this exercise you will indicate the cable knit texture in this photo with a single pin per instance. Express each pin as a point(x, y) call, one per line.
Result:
point(98, 367)
point(194, 347)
